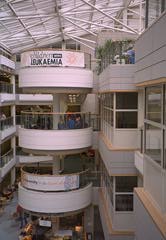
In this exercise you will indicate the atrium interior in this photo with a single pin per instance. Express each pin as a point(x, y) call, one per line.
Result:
point(83, 120)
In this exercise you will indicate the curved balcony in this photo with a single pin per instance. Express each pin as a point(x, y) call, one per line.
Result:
point(50, 71)
point(55, 132)
point(59, 193)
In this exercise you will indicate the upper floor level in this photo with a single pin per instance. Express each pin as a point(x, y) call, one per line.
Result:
point(150, 53)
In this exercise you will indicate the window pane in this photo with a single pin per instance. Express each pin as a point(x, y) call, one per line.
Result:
point(164, 107)
point(164, 148)
point(126, 184)
point(154, 10)
point(153, 103)
point(124, 202)
point(126, 119)
point(153, 142)
point(126, 100)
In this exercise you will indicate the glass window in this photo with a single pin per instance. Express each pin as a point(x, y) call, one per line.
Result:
point(154, 8)
point(124, 202)
point(164, 148)
point(126, 119)
point(153, 142)
point(164, 107)
point(127, 100)
point(153, 103)
point(126, 184)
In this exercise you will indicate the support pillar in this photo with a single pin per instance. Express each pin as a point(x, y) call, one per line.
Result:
point(56, 109)
point(55, 225)
point(12, 176)
point(56, 166)
point(89, 219)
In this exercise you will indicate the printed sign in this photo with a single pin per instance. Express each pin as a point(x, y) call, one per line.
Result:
point(52, 58)
point(50, 183)
point(44, 223)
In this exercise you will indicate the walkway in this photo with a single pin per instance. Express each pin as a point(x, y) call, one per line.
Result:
point(9, 228)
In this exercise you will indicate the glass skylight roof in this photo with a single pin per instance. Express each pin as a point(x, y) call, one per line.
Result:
point(33, 23)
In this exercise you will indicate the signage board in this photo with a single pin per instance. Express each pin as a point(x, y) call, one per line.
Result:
point(44, 223)
point(52, 58)
point(50, 183)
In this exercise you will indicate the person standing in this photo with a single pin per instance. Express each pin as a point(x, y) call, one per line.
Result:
point(22, 216)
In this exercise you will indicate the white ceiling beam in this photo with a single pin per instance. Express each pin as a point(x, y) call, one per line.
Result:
point(135, 12)
point(59, 20)
point(75, 39)
point(85, 39)
point(101, 25)
point(30, 46)
point(111, 17)
point(126, 3)
point(21, 22)
point(28, 27)
point(6, 3)
point(79, 26)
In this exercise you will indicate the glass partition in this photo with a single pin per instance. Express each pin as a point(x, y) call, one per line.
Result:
point(7, 157)
point(6, 123)
point(124, 186)
point(154, 8)
point(153, 142)
point(55, 121)
point(6, 87)
point(153, 103)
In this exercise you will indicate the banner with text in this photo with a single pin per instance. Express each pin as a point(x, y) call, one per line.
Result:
point(50, 183)
point(52, 58)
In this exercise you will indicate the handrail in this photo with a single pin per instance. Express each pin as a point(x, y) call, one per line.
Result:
point(55, 182)
point(55, 120)
point(53, 113)
point(53, 175)
point(141, 140)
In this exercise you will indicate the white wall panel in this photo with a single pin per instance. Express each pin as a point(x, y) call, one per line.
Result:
point(117, 77)
point(55, 139)
point(125, 138)
point(55, 202)
point(6, 97)
point(139, 161)
point(154, 182)
point(145, 228)
point(151, 52)
point(117, 162)
point(55, 77)
point(7, 62)
point(35, 97)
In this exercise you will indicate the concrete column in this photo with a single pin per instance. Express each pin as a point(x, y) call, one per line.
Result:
point(62, 162)
point(89, 219)
point(13, 146)
point(13, 107)
point(63, 45)
point(55, 225)
point(56, 109)
point(13, 176)
point(56, 166)
point(13, 82)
